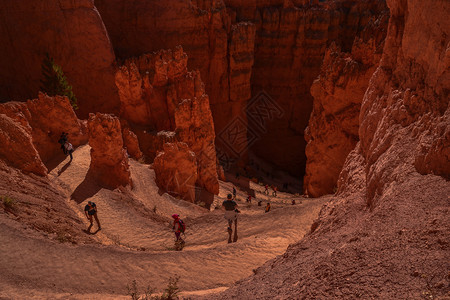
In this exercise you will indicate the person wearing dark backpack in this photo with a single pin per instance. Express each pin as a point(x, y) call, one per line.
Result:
point(90, 210)
point(178, 228)
point(231, 213)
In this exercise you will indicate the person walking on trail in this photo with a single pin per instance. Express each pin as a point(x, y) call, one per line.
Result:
point(231, 214)
point(274, 193)
point(234, 193)
point(62, 141)
point(266, 191)
point(69, 149)
point(90, 210)
point(267, 209)
point(178, 229)
point(249, 198)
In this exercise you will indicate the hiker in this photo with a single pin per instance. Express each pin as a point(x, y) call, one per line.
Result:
point(266, 191)
point(274, 193)
point(234, 193)
point(231, 213)
point(90, 210)
point(249, 198)
point(62, 140)
point(69, 149)
point(267, 209)
point(178, 228)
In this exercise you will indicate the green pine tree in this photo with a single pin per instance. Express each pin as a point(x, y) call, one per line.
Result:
point(55, 82)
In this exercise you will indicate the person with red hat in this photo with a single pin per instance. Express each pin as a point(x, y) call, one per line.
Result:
point(178, 228)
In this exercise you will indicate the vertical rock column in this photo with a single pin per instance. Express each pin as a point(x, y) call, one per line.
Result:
point(109, 162)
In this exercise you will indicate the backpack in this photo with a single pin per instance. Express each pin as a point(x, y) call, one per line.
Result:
point(182, 225)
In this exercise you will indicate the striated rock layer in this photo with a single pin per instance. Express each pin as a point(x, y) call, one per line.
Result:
point(72, 32)
point(386, 233)
point(290, 44)
point(221, 51)
point(159, 94)
point(338, 93)
point(241, 49)
point(109, 162)
point(43, 120)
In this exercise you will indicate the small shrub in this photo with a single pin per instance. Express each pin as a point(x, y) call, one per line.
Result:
point(62, 238)
point(170, 293)
point(172, 290)
point(133, 290)
point(55, 82)
point(8, 202)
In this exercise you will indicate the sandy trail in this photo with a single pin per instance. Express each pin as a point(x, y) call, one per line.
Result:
point(134, 241)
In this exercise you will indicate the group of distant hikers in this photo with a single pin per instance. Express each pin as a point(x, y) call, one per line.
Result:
point(230, 206)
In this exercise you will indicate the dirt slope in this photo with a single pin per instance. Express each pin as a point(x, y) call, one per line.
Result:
point(134, 241)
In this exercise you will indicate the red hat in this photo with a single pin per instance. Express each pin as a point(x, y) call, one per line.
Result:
point(175, 216)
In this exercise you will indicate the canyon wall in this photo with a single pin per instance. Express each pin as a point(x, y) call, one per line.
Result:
point(289, 48)
point(43, 120)
point(338, 92)
point(404, 120)
point(221, 52)
point(72, 32)
point(385, 233)
point(163, 102)
point(241, 49)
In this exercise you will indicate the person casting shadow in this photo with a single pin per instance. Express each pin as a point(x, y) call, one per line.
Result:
point(231, 215)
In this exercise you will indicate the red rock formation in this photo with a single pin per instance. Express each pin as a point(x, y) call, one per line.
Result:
point(73, 33)
point(338, 92)
point(17, 148)
point(280, 54)
point(131, 143)
point(289, 49)
point(109, 161)
point(45, 118)
point(159, 94)
point(222, 53)
point(404, 116)
point(176, 170)
point(385, 234)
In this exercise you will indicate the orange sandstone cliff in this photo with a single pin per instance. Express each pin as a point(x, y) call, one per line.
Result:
point(242, 48)
point(163, 102)
point(35, 134)
point(338, 92)
point(386, 233)
point(72, 32)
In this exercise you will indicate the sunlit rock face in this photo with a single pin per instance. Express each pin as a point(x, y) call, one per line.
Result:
point(109, 162)
point(176, 170)
point(44, 119)
point(73, 33)
point(338, 92)
point(404, 120)
point(242, 48)
point(158, 93)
